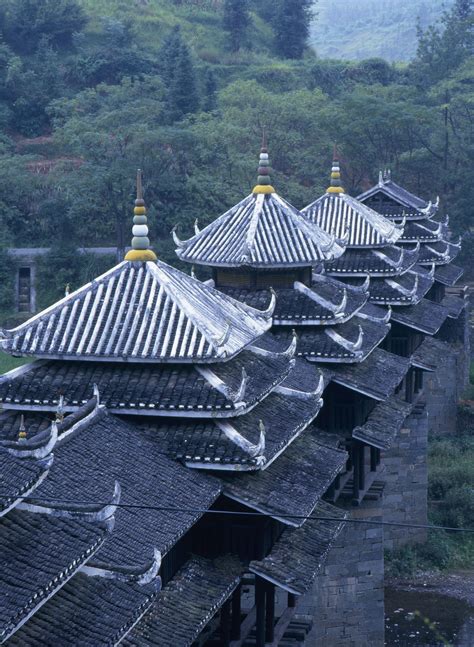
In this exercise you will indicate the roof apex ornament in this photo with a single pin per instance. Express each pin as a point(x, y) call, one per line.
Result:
point(22, 429)
point(380, 178)
point(264, 185)
point(60, 409)
point(140, 242)
point(335, 186)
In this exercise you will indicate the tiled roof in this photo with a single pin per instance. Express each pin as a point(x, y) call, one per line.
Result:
point(293, 484)
point(426, 316)
point(34, 422)
point(221, 389)
point(406, 289)
point(39, 553)
point(350, 342)
point(326, 302)
point(248, 442)
point(87, 612)
point(448, 274)
point(377, 377)
point(455, 305)
point(424, 231)
point(24, 463)
point(439, 253)
point(389, 261)
point(410, 204)
point(92, 458)
point(431, 354)
point(383, 423)
point(299, 554)
point(340, 213)
point(260, 231)
point(188, 602)
point(19, 477)
point(140, 312)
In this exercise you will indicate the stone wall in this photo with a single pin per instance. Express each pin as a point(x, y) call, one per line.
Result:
point(347, 601)
point(406, 480)
point(442, 394)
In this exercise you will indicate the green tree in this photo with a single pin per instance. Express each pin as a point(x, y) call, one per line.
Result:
point(236, 21)
point(26, 22)
point(184, 97)
point(292, 22)
point(210, 83)
point(443, 48)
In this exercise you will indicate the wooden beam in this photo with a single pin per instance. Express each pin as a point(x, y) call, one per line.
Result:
point(245, 628)
point(260, 604)
point(236, 613)
point(270, 613)
point(281, 626)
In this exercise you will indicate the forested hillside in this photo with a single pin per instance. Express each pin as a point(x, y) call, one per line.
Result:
point(92, 89)
point(358, 29)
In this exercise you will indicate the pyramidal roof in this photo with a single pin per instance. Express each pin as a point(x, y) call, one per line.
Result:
point(414, 206)
point(141, 310)
point(263, 230)
point(342, 215)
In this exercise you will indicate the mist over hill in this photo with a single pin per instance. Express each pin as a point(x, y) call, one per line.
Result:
point(358, 29)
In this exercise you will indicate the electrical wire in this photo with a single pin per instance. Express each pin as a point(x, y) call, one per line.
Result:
point(202, 511)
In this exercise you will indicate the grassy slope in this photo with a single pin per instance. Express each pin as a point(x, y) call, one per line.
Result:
point(201, 26)
point(360, 29)
point(8, 363)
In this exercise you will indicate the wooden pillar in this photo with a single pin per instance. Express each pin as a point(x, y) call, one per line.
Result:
point(350, 460)
point(291, 600)
point(260, 608)
point(270, 614)
point(356, 477)
point(373, 459)
point(362, 466)
point(225, 624)
point(236, 613)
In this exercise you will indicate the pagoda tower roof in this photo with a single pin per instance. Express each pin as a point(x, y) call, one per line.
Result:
point(406, 204)
point(142, 310)
point(344, 216)
point(261, 231)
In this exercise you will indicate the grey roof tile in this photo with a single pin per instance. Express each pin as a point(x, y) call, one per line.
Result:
point(140, 312)
point(87, 611)
point(383, 423)
point(260, 231)
point(377, 377)
point(293, 484)
point(187, 603)
point(39, 553)
point(300, 553)
point(340, 213)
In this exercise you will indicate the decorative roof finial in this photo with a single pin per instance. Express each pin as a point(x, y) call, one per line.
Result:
point(22, 429)
point(140, 242)
point(264, 183)
point(335, 186)
point(60, 409)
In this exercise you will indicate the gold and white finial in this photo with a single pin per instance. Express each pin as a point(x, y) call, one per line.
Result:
point(335, 186)
point(22, 429)
point(140, 242)
point(264, 182)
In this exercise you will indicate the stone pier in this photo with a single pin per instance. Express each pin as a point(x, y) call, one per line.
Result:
point(347, 601)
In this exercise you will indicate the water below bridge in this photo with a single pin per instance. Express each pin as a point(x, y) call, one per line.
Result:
point(421, 619)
